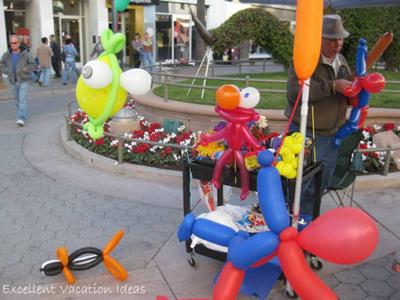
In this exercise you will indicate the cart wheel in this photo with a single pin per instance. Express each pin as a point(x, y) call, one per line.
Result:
point(192, 261)
point(291, 294)
point(315, 263)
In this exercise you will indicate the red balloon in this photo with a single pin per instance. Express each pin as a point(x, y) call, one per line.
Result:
point(363, 116)
point(343, 235)
point(374, 82)
point(304, 282)
point(229, 282)
point(353, 102)
point(353, 90)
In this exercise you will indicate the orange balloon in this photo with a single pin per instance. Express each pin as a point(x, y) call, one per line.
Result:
point(228, 96)
point(307, 39)
point(113, 242)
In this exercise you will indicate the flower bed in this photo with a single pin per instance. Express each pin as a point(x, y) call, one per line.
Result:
point(169, 157)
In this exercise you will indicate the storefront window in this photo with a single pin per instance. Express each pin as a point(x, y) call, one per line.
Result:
point(66, 7)
point(164, 37)
point(15, 18)
point(68, 23)
point(174, 32)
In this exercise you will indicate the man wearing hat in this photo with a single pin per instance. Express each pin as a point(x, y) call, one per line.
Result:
point(326, 102)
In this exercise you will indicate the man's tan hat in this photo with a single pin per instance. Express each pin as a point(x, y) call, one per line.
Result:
point(333, 27)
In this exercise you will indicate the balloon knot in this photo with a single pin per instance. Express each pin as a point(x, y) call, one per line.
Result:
point(301, 82)
point(288, 234)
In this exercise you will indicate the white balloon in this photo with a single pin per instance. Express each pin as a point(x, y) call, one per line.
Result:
point(150, 31)
point(249, 97)
point(97, 74)
point(136, 81)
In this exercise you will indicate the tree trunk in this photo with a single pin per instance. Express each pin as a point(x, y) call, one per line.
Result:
point(200, 45)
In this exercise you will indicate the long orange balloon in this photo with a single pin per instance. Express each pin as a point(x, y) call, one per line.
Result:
point(113, 242)
point(308, 36)
point(381, 45)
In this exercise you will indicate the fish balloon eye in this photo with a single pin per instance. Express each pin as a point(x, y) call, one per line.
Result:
point(249, 97)
point(97, 74)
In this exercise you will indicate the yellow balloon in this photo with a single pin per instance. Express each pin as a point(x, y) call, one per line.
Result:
point(93, 101)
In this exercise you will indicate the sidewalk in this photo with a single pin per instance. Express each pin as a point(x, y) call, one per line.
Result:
point(54, 88)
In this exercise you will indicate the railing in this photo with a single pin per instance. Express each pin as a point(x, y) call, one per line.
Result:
point(122, 139)
point(169, 77)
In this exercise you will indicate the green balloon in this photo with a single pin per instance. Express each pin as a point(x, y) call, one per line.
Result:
point(121, 5)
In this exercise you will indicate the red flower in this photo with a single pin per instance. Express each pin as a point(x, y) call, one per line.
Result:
point(156, 136)
point(99, 141)
point(166, 151)
point(388, 126)
point(141, 148)
point(153, 127)
point(369, 129)
point(138, 134)
point(363, 146)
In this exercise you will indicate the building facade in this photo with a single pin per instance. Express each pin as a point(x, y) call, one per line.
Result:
point(168, 23)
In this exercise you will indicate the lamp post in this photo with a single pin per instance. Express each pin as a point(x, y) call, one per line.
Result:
point(114, 16)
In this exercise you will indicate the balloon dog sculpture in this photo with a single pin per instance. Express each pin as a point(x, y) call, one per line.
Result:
point(236, 108)
point(359, 93)
point(102, 88)
point(84, 259)
point(342, 235)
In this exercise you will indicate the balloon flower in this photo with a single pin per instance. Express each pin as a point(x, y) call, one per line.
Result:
point(84, 259)
point(342, 235)
point(102, 88)
point(359, 93)
point(236, 108)
point(291, 147)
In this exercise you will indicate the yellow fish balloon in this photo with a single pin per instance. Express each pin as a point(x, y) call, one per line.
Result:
point(102, 88)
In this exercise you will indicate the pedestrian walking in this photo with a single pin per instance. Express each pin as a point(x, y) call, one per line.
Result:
point(18, 64)
point(148, 61)
point(137, 46)
point(56, 58)
point(44, 54)
point(70, 55)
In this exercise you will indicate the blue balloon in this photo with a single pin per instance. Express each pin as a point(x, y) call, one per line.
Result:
point(236, 241)
point(363, 98)
point(270, 195)
point(354, 118)
point(252, 250)
point(213, 232)
point(185, 229)
point(361, 66)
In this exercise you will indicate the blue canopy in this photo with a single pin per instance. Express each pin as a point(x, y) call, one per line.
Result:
point(336, 4)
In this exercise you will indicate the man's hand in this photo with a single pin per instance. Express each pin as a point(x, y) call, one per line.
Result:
point(341, 84)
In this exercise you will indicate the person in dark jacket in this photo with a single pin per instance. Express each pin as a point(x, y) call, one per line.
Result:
point(56, 58)
point(17, 63)
point(326, 102)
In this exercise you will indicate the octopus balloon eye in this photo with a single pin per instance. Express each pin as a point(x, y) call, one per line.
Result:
point(249, 97)
point(97, 74)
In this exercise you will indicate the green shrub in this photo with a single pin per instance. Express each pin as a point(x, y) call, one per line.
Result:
point(262, 28)
point(371, 23)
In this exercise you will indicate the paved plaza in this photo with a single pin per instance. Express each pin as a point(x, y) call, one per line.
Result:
point(49, 199)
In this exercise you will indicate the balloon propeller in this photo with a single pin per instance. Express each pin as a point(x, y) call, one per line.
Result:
point(84, 259)
point(341, 235)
